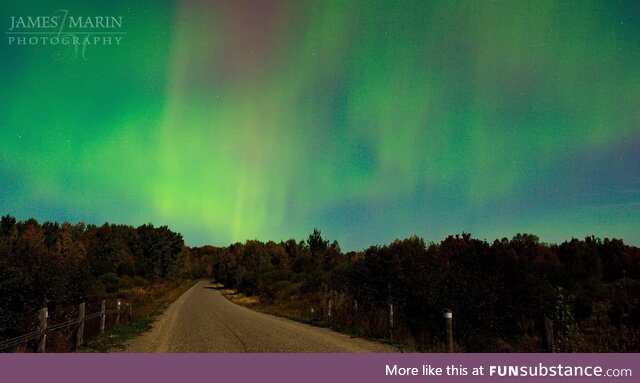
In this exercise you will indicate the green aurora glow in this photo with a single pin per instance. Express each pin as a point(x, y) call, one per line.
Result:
point(229, 120)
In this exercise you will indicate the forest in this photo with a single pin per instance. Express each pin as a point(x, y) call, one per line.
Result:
point(500, 292)
point(60, 265)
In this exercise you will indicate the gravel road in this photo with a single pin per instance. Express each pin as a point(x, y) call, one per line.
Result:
point(202, 320)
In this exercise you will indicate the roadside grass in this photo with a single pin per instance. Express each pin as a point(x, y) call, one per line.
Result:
point(116, 338)
point(148, 302)
point(289, 310)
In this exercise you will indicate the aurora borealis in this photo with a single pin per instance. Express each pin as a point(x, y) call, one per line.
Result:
point(371, 120)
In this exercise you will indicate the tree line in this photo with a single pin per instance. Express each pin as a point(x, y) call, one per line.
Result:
point(499, 292)
point(56, 265)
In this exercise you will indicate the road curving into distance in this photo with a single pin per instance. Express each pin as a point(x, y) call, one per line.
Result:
point(202, 320)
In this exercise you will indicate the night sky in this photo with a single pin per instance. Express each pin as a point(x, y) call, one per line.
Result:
point(371, 120)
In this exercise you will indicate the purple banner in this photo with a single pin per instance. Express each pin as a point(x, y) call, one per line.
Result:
point(160, 368)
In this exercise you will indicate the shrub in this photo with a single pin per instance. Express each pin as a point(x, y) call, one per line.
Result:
point(111, 282)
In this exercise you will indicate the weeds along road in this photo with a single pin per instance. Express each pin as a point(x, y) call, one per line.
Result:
point(202, 320)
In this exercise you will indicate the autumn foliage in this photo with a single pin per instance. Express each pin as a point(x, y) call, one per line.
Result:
point(499, 292)
point(59, 265)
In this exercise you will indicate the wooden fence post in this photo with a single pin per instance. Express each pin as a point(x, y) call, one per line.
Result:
point(355, 315)
point(80, 333)
point(548, 335)
point(391, 321)
point(448, 329)
point(43, 314)
point(118, 313)
point(103, 317)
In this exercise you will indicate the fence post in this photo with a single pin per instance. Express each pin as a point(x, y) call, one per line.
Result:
point(448, 329)
point(355, 315)
point(43, 314)
point(391, 321)
point(80, 333)
point(118, 313)
point(103, 318)
point(548, 335)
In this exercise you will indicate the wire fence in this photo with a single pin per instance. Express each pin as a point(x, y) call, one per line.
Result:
point(44, 329)
point(436, 333)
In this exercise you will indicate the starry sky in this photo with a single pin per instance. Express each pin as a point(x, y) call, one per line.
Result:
point(372, 120)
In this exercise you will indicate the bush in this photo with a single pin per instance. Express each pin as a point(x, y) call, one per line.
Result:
point(111, 282)
point(280, 289)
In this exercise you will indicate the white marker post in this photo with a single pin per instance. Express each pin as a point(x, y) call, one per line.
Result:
point(448, 331)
